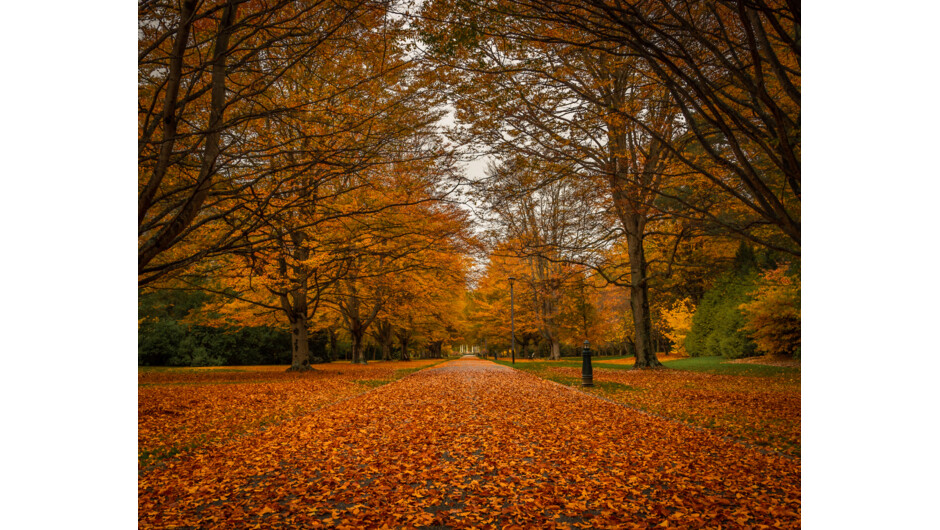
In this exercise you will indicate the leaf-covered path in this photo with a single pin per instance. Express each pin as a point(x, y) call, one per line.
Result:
point(473, 444)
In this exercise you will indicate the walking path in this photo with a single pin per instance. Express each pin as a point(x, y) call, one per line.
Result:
point(474, 444)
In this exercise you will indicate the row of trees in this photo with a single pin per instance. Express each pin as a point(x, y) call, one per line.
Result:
point(632, 140)
point(745, 303)
point(290, 165)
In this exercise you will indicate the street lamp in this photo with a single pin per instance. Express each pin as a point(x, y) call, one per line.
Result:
point(512, 320)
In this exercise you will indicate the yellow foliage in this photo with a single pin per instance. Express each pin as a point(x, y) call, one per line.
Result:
point(678, 319)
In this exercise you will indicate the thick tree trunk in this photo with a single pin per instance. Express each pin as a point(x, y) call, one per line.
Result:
point(358, 352)
point(383, 335)
point(404, 339)
point(639, 304)
point(556, 350)
point(300, 347)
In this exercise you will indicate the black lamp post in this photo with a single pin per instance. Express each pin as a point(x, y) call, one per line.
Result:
point(512, 320)
point(587, 372)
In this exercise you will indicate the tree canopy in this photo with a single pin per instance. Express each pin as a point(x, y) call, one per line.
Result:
point(302, 166)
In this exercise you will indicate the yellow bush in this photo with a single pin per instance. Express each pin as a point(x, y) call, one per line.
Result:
point(678, 319)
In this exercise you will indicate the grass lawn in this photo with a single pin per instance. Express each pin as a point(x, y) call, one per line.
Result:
point(721, 366)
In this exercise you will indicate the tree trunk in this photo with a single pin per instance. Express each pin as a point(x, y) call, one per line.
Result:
point(556, 350)
point(300, 347)
point(333, 353)
point(383, 335)
point(403, 339)
point(639, 304)
point(358, 353)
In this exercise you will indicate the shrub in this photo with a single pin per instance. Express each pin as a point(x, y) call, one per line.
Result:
point(164, 338)
point(716, 323)
point(158, 342)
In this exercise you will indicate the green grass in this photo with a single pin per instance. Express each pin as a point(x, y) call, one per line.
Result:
point(719, 366)
point(540, 369)
point(709, 365)
point(599, 359)
point(542, 365)
point(402, 372)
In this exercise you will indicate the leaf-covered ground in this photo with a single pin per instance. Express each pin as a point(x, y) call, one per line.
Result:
point(473, 444)
point(760, 410)
point(180, 410)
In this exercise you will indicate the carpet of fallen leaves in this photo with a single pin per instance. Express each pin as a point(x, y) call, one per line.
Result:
point(762, 411)
point(185, 409)
point(473, 444)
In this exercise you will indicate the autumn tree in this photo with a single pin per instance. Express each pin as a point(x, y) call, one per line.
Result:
point(238, 100)
point(412, 237)
point(602, 115)
point(540, 220)
point(398, 266)
point(731, 68)
point(489, 305)
point(772, 317)
point(367, 146)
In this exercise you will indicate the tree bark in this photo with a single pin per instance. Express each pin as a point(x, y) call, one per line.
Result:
point(639, 304)
point(358, 353)
point(633, 220)
point(403, 339)
point(300, 347)
point(333, 353)
point(383, 335)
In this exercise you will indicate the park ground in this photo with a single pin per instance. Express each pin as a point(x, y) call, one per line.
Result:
point(471, 443)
